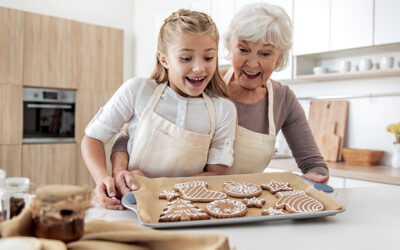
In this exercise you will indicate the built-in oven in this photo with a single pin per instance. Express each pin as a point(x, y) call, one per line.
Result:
point(49, 115)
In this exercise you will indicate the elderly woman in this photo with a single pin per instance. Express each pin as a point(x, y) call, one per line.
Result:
point(258, 41)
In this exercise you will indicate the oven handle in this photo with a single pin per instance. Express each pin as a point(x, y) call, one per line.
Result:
point(49, 106)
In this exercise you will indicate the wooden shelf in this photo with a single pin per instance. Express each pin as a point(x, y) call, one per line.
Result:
point(349, 75)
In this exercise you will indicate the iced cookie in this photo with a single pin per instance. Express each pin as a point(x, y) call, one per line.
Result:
point(226, 208)
point(168, 195)
point(242, 189)
point(272, 211)
point(254, 202)
point(197, 191)
point(275, 186)
point(182, 210)
point(297, 201)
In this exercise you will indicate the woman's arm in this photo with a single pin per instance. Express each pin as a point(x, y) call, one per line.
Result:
point(95, 160)
point(213, 169)
point(301, 140)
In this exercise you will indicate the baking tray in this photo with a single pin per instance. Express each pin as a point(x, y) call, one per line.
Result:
point(239, 220)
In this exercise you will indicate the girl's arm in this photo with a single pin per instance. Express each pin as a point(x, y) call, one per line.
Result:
point(95, 160)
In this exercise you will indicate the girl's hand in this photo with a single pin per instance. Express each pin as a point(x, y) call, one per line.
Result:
point(125, 181)
point(316, 177)
point(104, 193)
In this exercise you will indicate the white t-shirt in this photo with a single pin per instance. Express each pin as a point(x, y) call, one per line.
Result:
point(129, 101)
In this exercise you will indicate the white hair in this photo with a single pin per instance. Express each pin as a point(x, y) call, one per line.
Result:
point(265, 23)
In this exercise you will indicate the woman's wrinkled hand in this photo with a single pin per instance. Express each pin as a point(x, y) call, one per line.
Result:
point(105, 193)
point(316, 177)
point(125, 181)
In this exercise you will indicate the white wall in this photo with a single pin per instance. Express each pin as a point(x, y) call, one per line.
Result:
point(110, 13)
point(367, 117)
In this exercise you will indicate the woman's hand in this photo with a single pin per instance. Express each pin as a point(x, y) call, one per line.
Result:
point(213, 169)
point(104, 194)
point(316, 177)
point(125, 181)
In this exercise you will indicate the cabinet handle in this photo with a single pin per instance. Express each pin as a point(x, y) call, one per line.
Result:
point(49, 106)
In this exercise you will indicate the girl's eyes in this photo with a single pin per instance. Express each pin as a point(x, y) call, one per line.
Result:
point(186, 59)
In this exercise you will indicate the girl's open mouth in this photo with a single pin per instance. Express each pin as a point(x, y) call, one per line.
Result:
point(196, 81)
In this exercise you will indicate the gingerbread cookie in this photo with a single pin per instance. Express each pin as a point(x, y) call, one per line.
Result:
point(275, 186)
point(242, 189)
point(226, 208)
point(182, 210)
point(168, 195)
point(297, 201)
point(272, 211)
point(197, 191)
point(254, 202)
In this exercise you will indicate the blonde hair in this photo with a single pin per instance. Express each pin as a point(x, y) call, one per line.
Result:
point(262, 22)
point(188, 22)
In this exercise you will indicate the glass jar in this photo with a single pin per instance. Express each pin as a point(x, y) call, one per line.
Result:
point(16, 194)
point(58, 212)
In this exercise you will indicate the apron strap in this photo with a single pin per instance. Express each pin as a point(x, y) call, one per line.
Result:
point(211, 110)
point(155, 97)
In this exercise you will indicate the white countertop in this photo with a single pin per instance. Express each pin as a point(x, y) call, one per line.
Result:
point(371, 221)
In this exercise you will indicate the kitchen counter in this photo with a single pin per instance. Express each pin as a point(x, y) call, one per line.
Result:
point(382, 174)
point(371, 221)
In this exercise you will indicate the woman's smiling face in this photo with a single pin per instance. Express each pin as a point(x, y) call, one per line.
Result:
point(191, 61)
point(253, 62)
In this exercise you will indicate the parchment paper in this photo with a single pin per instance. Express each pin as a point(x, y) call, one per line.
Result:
point(149, 206)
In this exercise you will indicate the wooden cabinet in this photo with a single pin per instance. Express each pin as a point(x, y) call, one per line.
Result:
point(311, 26)
point(11, 113)
point(49, 163)
point(351, 24)
point(10, 159)
point(50, 52)
point(101, 58)
point(11, 45)
point(386, 21)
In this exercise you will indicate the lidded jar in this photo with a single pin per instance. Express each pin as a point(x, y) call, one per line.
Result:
point(58, 212)
point(15, 196)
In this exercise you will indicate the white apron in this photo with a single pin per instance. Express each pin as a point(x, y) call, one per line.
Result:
point(160, 148)
point(253, 151)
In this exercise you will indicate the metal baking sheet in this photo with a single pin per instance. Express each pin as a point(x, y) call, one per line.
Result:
point(238, 220)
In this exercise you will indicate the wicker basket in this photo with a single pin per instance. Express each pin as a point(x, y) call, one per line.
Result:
point(362, 157)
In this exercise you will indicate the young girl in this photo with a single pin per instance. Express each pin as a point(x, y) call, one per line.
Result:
point(180, 124)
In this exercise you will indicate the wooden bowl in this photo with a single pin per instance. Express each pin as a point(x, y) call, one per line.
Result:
point(362, 157)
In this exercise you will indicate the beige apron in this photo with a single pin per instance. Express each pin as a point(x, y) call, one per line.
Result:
point(253, 151)
point(160, 148)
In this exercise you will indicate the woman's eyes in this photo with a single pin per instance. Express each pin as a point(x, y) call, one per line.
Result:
point(208, 58)
point(265, 53)
point(243, 50)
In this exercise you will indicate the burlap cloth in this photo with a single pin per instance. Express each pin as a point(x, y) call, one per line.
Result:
point(123, 235)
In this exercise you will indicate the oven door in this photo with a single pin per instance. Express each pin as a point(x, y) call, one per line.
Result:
point(48, 122)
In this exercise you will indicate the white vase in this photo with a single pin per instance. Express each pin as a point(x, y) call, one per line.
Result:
point(396, 156)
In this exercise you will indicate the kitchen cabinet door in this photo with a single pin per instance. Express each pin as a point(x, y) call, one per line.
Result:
point(386, 21)
point(11, 45)
point(100, 58)
point(11, 113)
point(49, 163)
point(311, 26)
point(10, 159)
point(50, 52)
point(351, 24)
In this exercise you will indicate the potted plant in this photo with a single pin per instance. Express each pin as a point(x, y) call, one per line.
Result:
point(395, 129)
